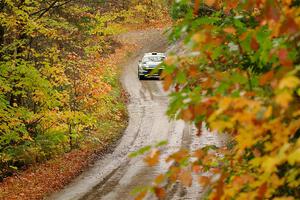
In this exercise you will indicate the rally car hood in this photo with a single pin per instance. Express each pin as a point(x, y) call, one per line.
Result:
point(151, 64)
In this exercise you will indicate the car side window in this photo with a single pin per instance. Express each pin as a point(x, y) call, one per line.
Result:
point(153, 59)
point(145, 59)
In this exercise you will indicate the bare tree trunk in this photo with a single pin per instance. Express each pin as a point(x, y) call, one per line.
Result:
point(2, 31)
point(73, 105)
point(70, 135)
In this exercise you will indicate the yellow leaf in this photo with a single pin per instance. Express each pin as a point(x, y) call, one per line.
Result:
point(244, 139)
point(159, 179)
point(221, 125)
point(27, 137)
point(276, 181)
point(269, 164)
point(240, 103)
point(224, 103)
point(290, 82)
point(284, 98)
point(296, 113)
point(170, 60)
point(287, 2)
point(268, 112)
point(283, 198)
point(198, 38)
point(294, 157)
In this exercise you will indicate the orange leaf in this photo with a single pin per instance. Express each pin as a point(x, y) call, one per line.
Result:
point(185, 177)
point(265, 78)
point(199, 129)
point(272, 12)
point(160, 192)
point(196, 7)
point(207, 84)
point(215, 170)
point(254, 44)
point(220, 188)
point(250, 94)
point(289, 26)
point(177, 87)
point(198, 154)
point(153, 158)
point(231, 4)
point(261, 191)
point(242, 180)
point(199, 109)
point(174, 171)
point(230, 30)
point(219, 76)
point(284, 58)
point(197, 168)
point(168, 82)
point(159, 179)
point(178, 156)
point(204, 180)
point(193, 72)
point(141, 196)
point(210, 2)
point(187, 114)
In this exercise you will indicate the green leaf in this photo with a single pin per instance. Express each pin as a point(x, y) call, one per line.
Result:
point(140, 151)
point(181, 77)
point(162, 143)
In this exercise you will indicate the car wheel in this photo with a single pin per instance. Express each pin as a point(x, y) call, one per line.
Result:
point(141, 77)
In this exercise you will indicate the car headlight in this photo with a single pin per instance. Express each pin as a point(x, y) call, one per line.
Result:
point(142, 67)
point(145, 66)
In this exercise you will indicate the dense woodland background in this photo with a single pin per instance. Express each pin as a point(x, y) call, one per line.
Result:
point(56, 92)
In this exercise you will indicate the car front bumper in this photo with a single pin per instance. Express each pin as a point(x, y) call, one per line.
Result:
point(149, 73)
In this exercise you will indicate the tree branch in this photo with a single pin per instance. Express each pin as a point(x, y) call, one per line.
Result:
point(42, 12)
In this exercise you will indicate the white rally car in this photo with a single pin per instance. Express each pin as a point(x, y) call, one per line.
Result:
point(148, 63)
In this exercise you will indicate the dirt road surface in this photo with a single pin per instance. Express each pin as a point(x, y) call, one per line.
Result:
point(115, 175)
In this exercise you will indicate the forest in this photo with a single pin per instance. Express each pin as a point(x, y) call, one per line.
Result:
point(56, 91)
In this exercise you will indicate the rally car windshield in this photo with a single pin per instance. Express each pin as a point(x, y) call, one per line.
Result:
point(153, 59)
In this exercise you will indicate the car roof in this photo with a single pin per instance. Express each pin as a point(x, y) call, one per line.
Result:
point(154, 54)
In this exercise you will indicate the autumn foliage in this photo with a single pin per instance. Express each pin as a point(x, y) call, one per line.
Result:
point(58, 92)
point(239, 76)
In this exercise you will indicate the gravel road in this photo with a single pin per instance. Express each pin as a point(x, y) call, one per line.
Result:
point(114, 176)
